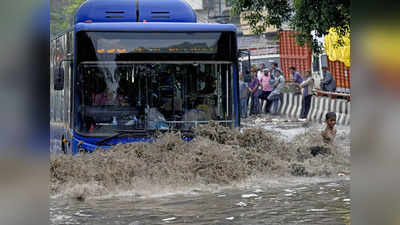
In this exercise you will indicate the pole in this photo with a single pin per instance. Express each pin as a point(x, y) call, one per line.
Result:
point(220, 13)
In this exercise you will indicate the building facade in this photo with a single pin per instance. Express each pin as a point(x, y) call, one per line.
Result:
point(263, 48)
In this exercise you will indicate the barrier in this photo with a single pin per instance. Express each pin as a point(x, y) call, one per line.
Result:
point(292, 103)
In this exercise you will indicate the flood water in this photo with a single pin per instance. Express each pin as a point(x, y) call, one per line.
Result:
point(324, 202)
point(208, 181)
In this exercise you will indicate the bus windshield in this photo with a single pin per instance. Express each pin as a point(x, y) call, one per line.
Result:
point(151, 96)
point(155, 46)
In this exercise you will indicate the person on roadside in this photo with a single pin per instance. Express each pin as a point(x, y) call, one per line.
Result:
point(260, 72)
point(307, 91)
point(254, 93)
point(274, 68)
point(278, 82)
point(266, 90)
point(296, 77)
point(327, 83)
point(244, 92)
point(247, 76)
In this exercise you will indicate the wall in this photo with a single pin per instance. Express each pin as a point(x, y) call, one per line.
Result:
point(291, 106)
point(292, 54)
point(341, 74)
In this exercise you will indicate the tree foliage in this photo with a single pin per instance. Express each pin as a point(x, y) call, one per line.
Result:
point(62, 18)
point(303, 16)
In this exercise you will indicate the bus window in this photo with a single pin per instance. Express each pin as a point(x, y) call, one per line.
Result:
point(151, 96)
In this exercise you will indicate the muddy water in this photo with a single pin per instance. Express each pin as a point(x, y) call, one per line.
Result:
point(262, 174)
point(326, 202)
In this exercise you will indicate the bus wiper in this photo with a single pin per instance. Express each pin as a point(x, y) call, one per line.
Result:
point(118, 134)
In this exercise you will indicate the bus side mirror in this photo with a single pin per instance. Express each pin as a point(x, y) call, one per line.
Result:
point(59, 78)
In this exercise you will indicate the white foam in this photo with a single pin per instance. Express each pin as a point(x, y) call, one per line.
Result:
point(290, 190)
point(82, 214)
point(258, 191)
point(249, 195)
point(241, 204)
point(317, 210)
point(169, 219)
point(332, 185)
point(61, 218)
point(301, 188)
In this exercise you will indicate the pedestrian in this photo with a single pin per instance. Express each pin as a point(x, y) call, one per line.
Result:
point(266, 90)
point(254, 93)
point(274, 68)
point(307, 91)
point(260, 72)
point(296, 77)
point(247, 76)
point(328, 83)
point(244, 92)
point(329, 133)
point(278, 82)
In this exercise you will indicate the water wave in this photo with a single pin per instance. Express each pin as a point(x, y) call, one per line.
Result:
point(217, 156)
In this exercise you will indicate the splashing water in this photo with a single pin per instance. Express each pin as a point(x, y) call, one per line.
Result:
point(217, 156)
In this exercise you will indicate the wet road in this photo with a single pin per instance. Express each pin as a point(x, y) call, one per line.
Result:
point(325, 202)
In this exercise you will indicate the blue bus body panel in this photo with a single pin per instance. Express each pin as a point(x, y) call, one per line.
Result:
point(172, 27)
point(107, 11)
point(166, 11)
point(129, 11)
point(89, 143)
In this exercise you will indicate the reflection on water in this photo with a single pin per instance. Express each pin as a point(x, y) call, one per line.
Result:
point(321, 203)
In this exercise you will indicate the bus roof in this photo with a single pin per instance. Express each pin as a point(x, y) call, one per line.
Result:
point(135, 11)
point(146, 27)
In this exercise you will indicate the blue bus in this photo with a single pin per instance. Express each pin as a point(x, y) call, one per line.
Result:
point(127, 69)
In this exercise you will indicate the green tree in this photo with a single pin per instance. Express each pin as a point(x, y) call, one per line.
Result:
point(62, 18)
point(303, 16)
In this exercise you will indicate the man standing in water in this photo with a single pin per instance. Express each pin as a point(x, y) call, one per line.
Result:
point(329, 133)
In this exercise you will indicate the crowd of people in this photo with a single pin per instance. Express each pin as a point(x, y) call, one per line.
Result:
point(265, 86)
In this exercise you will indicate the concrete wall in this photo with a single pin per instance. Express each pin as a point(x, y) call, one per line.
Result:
point(320, 106)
